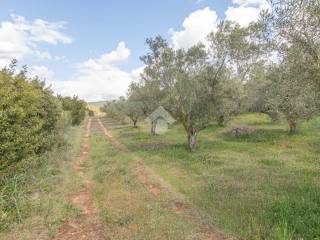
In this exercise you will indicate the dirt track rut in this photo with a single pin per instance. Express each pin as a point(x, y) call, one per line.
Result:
point(87, 226)
point(179, 206)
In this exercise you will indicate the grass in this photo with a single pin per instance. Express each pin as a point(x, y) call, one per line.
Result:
point(33, 204)
point(261, 186)
point(127, 209)
point(264, 185)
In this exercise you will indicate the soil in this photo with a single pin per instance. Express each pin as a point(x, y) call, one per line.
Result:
point(87, 225)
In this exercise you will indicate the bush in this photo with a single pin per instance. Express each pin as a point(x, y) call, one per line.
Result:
point(29, 116)
point(76, 107)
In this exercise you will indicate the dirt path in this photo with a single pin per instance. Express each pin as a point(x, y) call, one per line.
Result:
point(86, 226)
point(157, 186)
point(140, 168)
point(116, 143)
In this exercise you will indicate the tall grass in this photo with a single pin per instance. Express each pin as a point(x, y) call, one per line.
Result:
point(33, 199)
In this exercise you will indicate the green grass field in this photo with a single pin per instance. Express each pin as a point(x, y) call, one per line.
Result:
point(127, 210)
point(261, 186)
point(264, 185)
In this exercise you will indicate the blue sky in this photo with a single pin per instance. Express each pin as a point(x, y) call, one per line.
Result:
point(92, 48)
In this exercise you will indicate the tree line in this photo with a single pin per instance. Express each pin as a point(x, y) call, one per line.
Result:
point(32, 119)
point(272, 66)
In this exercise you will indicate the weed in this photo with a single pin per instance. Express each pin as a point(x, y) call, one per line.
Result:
point(270, 162)
point(298, 213)
point(125, 220)
point(106, 215)
point(209, 159)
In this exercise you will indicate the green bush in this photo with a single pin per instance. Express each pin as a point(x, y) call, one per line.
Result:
point(29, 116)
point(76, 107)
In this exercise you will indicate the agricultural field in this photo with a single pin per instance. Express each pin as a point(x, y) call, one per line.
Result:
point(261, 186)
point(127, 184)
point(194, 120)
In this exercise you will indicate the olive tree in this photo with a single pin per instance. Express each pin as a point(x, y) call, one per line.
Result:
point(294, 98)
point(134, 110)
point(292, 30)
point(257, 92)
point(198, 83)
point(295, 24)
point(181, 75)
point(233, 52)
point(141, 101)
point(115, 109)
point(227, 100)
point(149, 91)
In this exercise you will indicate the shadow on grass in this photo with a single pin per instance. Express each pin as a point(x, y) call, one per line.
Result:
point(161, 146)
point(212, 127)
point(260, 135)
point(263, 123)
point(128, 133)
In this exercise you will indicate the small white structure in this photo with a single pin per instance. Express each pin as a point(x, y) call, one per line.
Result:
point(160, 119)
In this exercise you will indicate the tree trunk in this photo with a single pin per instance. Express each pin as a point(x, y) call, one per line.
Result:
point(135, 123)
point(192, 139)
point(292, 126)
point(274, 116)
point(221, 121)
point(153, 128)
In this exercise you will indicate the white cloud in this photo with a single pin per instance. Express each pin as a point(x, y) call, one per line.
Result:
point(43, 73)
point(119, 55)
point(257, 3)
point(62, 59)
point(13, 42)
point(101, 78)
point(20, 37)
point(136, 73)
point(43, 55)
point(246, 11)
point(43, 31)
point(196, 28)
point(95, 79)
point(199, 24)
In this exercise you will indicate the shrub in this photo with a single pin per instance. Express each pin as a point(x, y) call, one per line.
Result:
point(29, 116)
point(76, 107)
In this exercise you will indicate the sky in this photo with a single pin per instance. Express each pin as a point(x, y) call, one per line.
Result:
point(91, 48)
